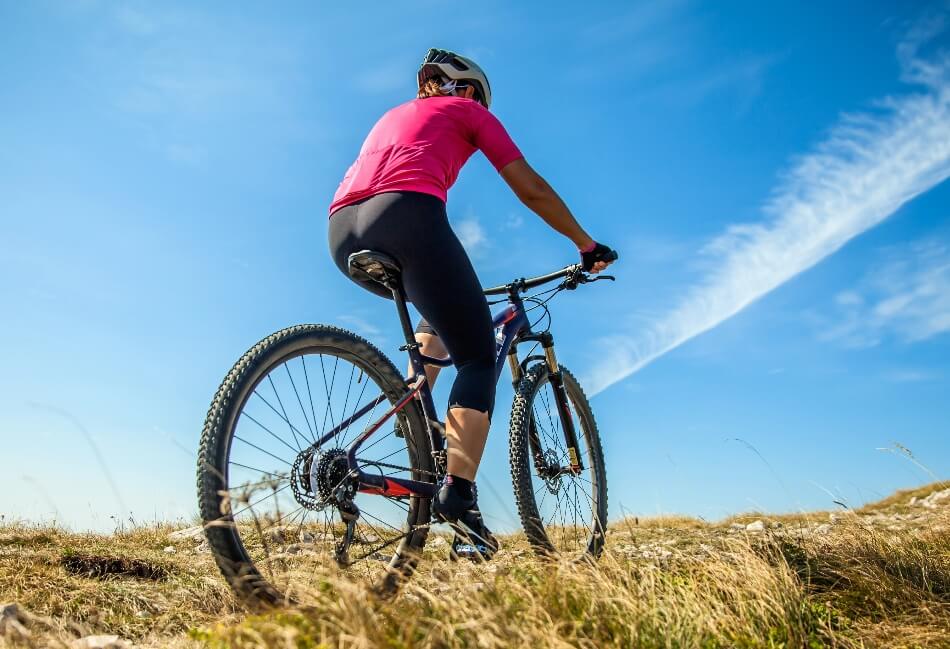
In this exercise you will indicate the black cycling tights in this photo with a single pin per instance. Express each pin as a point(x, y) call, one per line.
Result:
point(438, 278)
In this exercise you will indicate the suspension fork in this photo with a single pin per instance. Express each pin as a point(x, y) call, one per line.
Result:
point(563, 403)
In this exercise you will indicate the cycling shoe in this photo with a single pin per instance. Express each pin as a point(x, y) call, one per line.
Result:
point(473, 540)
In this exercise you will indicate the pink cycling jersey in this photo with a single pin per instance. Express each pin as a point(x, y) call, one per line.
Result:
point(421, 145)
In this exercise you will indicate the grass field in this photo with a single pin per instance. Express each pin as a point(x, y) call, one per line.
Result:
point(874, 577)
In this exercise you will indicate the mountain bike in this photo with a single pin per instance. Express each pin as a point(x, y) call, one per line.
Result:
point(297, 469)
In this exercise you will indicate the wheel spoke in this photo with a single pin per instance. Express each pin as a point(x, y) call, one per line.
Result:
point(258, 502)
point(272, 434)
point(329, 389)
point(300, 403)
point(293, 429)
point(251, 468)
point(259, 483)
point(306, 377)
point(356, 404)
point(263, 451)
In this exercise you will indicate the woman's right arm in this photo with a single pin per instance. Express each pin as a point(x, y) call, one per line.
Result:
point(535, 192)
point(537, 195)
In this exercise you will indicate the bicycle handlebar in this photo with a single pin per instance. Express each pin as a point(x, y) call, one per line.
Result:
point(574, 273)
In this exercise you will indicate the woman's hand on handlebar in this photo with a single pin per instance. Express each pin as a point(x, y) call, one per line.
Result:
point(597, 257)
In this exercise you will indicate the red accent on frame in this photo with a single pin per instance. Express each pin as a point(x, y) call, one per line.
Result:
point(392, 489)
point(511, 315)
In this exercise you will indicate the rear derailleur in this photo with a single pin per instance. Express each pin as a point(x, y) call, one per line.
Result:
point(327, 481)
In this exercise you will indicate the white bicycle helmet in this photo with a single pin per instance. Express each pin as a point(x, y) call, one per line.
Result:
point(449, 65)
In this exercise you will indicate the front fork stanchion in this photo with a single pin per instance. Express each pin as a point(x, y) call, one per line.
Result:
point(515, 366)
point(563, 404)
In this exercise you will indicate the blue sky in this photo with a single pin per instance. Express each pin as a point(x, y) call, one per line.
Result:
point(772, 176)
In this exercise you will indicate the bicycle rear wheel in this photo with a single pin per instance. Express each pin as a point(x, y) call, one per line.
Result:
point(264, 484)
point(563, 513)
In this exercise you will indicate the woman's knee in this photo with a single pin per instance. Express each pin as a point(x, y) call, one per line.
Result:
point(474, 386)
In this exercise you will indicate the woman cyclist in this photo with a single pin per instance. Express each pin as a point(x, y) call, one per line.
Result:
point(392, 199)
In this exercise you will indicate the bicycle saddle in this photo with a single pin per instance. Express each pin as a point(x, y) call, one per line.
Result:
point(373, 266)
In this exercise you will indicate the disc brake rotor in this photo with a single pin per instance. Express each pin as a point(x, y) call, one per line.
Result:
point(551, 471)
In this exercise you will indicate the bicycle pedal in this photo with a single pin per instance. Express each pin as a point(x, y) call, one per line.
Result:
point(473, 547)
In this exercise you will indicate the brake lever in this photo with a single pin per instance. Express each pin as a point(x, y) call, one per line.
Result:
point(583, 277)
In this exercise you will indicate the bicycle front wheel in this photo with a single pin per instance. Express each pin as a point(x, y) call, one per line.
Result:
point(266, 483)
point(564, 512)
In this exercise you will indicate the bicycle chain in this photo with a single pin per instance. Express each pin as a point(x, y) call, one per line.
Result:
point(403, 468)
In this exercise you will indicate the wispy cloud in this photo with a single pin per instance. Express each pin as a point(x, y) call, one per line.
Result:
point(911, 376)
point(472, 235)
point(514, 221)
point(869, 165)
point(906, 296)
point(361, 325)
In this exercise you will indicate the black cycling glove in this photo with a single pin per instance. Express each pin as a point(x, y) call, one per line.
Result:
point(600, 252)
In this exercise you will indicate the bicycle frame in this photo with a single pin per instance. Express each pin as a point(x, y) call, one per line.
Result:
point(515, 328)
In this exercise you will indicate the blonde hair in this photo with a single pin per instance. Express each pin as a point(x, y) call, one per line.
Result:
point(432, 87)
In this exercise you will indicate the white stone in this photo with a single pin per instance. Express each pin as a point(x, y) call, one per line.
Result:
point(187, 533)
point(824, 528)
point(757, 526)
point(169, 549)
point(101, 642)
point(933, 500)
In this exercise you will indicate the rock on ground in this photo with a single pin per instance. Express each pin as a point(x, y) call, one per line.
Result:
point(101, 642)
point(12, 619)
point(187, 533)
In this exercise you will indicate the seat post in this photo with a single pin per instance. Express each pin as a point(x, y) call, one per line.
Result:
point(411, 346)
